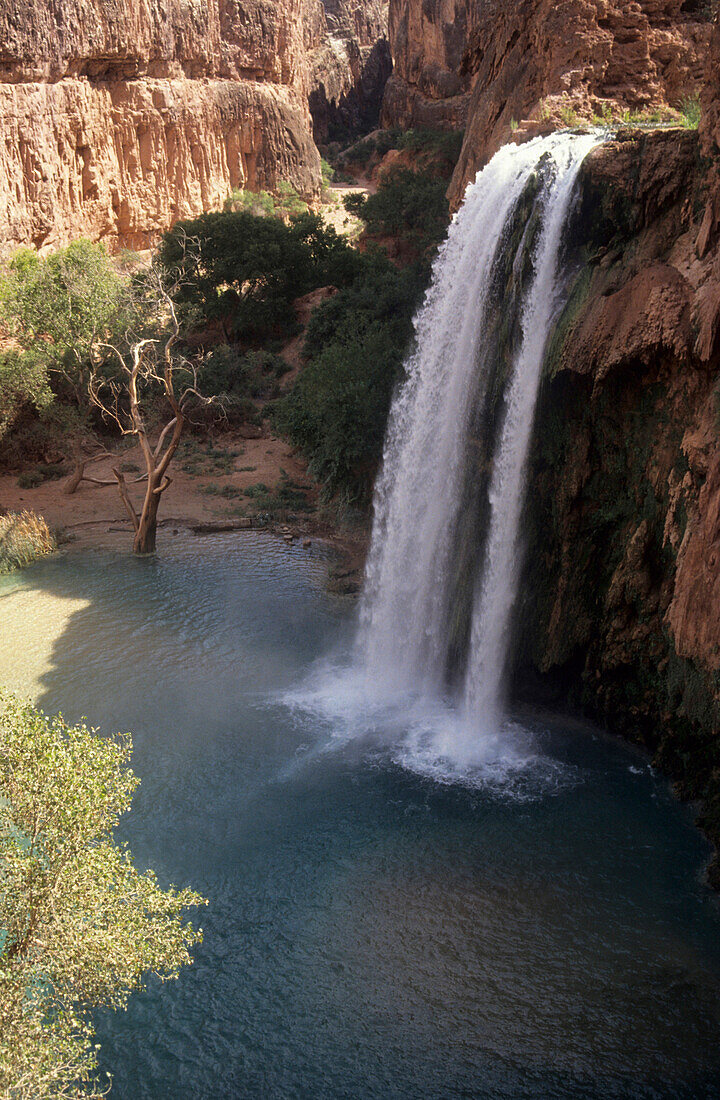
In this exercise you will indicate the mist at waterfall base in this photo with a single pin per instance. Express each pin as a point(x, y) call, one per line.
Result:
point(396, 685)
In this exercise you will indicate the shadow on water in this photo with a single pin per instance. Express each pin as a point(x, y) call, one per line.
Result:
point(370, 933)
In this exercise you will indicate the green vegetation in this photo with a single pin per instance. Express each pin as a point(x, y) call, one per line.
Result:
point(410, 206)
point(57, 306)
point(207, 460)
point(23, 538)
point(23, 382)
point(356, 343)
point(610, 116)
point(44, 471)
point(218, 301)
point(283, 502)
point(240, 378)
point(54, 309)
point(690, 112)
point(433, 150)
point(375, 145)
point(285, 203)
point(79, 926)
point(328, 175)
point(569, 117)
point(244, 272)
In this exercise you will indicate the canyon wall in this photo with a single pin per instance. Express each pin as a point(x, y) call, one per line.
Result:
point(551, 62)
point(494, 67)
point(350, 69)
point(120, 116)
point(621, 606)
point(430, 86)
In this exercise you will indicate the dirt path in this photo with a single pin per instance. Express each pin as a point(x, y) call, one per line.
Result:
point(335, 214)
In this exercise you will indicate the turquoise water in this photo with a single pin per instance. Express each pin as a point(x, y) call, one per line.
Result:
point(372, 932)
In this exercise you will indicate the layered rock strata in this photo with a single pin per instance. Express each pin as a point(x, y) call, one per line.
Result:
point(554, 62)
point(493, 66)
point(120, 116)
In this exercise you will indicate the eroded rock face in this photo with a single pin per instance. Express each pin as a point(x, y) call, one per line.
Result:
point(493, 66)
point(120, 116)
point(350, 69)
point(429, 87)
point(622, 592)
point(554, 61)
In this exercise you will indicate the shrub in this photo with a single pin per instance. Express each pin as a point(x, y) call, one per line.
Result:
point(58, 304)
point(441, 146)
point(411, 206)
point(44, 471)
point(691, 112)
point(24, 537)
point(259, 203)
point(338, 409)
point(285, 204)
point(23, 383)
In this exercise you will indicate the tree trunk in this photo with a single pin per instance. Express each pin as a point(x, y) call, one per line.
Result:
point(145, 534)
point(75, 478)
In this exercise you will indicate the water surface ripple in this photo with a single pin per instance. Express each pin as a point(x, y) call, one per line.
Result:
point(372, 933)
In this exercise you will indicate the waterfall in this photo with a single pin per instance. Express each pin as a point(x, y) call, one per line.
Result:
point(512, 220)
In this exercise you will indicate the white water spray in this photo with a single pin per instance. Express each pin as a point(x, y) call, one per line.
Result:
point(491, 618)
point(405, 614)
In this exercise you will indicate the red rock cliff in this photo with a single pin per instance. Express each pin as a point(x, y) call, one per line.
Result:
point(622, 609)
point(490, 64)
point(429, 85)
point(119, 116)
point(529, 59)
point(350, 68)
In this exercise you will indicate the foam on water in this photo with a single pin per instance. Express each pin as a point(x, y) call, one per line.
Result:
point(427, 735)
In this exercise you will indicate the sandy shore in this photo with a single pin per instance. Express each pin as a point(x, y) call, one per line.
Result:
point(207, 494)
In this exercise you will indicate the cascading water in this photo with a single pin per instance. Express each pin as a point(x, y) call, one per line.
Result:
point(407, 606)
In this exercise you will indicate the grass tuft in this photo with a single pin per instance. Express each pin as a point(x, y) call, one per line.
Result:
point(24, 537)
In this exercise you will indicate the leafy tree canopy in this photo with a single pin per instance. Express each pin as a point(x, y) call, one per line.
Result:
point(61, 303)
point(356, 343)
point(79, 925)
point(53, 309)
point(246, 270)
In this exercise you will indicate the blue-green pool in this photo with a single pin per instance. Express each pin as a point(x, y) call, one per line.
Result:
point(372, 932)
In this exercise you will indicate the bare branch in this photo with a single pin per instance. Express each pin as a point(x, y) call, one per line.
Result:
point(122, 488)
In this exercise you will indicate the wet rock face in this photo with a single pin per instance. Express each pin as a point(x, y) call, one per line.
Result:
point(621, 610)
point(350, 69)
point(119, 116)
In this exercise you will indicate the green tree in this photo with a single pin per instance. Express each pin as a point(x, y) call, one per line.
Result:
point(23, 381)
point(245, 271)
point(410, 206)
point(54, 309)
point(57, 307)
point(80, 927)
point(355, 343)
point(113, 340)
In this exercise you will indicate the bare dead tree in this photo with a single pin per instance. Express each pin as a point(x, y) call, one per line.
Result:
point(150, 368)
